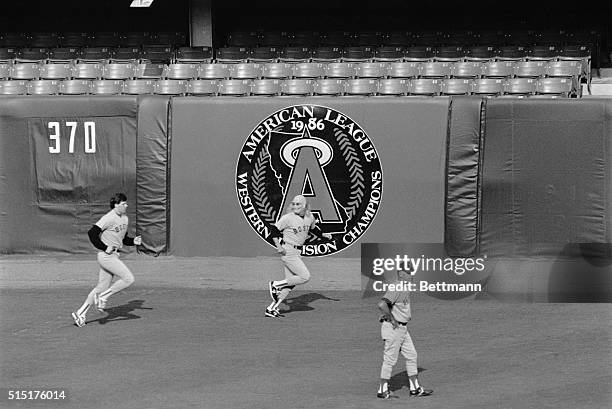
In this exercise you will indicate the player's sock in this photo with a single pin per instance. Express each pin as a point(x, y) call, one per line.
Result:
point(414, 383)
point(279, 284)
point(83, 310)
point(281, 297)
point(383, 387)
point(105, 294)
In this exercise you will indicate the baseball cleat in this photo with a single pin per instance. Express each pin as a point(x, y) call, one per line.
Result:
point(79, 320)
point(421, 392)
point(272, 313)
point(273, 291)
point(385, 395)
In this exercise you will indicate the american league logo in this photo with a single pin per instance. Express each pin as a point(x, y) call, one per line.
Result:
point(317, 152)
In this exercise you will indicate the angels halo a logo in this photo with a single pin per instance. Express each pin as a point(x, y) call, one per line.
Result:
point(317, 152)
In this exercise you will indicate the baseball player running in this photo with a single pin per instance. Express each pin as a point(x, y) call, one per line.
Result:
point(109, 235)
point(289, 234)
point(395, 306)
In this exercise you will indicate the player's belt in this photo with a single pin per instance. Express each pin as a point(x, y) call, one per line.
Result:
point(292, 245)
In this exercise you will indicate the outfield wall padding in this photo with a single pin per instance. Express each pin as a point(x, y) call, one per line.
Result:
point(209, 133)
point(546, 177)
point(151, 173)
point(464, 152)
point(56, 180)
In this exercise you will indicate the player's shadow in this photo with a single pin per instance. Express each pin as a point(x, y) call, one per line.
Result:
point(300, 303)
point(400, 380)
point(122, 312)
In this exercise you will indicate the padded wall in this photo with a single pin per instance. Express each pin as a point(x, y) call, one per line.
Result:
point(209, 133)
point(56, 180)
point(152, 173)
point(546, 176)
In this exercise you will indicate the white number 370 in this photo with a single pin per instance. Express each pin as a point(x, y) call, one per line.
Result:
point(90, 136)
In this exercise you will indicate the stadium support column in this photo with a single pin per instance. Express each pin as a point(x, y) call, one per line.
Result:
point(200, 23)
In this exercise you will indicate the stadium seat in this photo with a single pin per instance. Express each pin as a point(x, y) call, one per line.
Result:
point(202, 87)
point(339, 70)
point(105, 39)
point(87, 70)
point(393, 86)
point(404, 70)
point(498, 69)
point(361, 86)
point(568, 69)
point(557, 86)
point(520, 86)
point(358, 53)
point(193, 55)
point(436, 69)
point(398, 39)
point(581, 53)
point(511, 53)
point(181, 71)
point(244, 71)
point(148, 70)
point(213, 71)
point(389, 54)
point(297, 87)
point(27, 55)
point(542, 53)
point(456, 86)
point(293, 54)
point(266, 87)
point(118, 71)
point(63, 54)
point(368, 38)
point(55, 71)
point(232, 55)
point(134, 39)
point(235, 88)
point(418, 53)
point(466, 69)
point(264, 54)
point(5, 69)
point(309, 70)
point(424, 86)
point(449, 53)
point(529, 69)
point(13, 40)
point(169, 38)
point(304, 38)
point(138, 87)
point(13, 87)
point(43, 40)
point(7, 54)
point(157, 54)
point(43, 87)
point(327, 54)
point(24, 71)
point(95, 54)
point(106, 87)
point(488, 86)
point(73, 40)
point(276, 70)
point(170, 87)
point(274, 38)
point(246, 39)
point(329, 86)
point(74, 87)
point(125, 54)
point(335, 38)
point(371, 70)
point(481, 53)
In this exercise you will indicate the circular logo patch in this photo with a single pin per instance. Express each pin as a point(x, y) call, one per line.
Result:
point(317, 152)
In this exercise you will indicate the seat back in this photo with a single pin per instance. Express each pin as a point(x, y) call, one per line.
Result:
point(557, 86)
point(55, 71)
point(170, 87)
point(488, 86)
point(75, 87)
point(520, 86)
point(118, 71)
point(13, 87)
point(202, 87)
point(530, 69)
point(276, 70)
point(329, 86)
point(181, 71)
point(295, 53)
point(231, 55)
point(106, 87)
point(234, 87)
point(243, 71)
point(393, 86)
point(404, 70)
point(297, 86)
point(361, 86)
point(309, 70)
point(213, 71)
point(371, 70)
point(339, 70)
point(498, 69)
point(266, 87)
point(425, 86)
point(436, 69)
point(198, 55)
point(43, 87)
point(138, 86)
point(24, 71)
point(466, 69)
point(456, 86)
